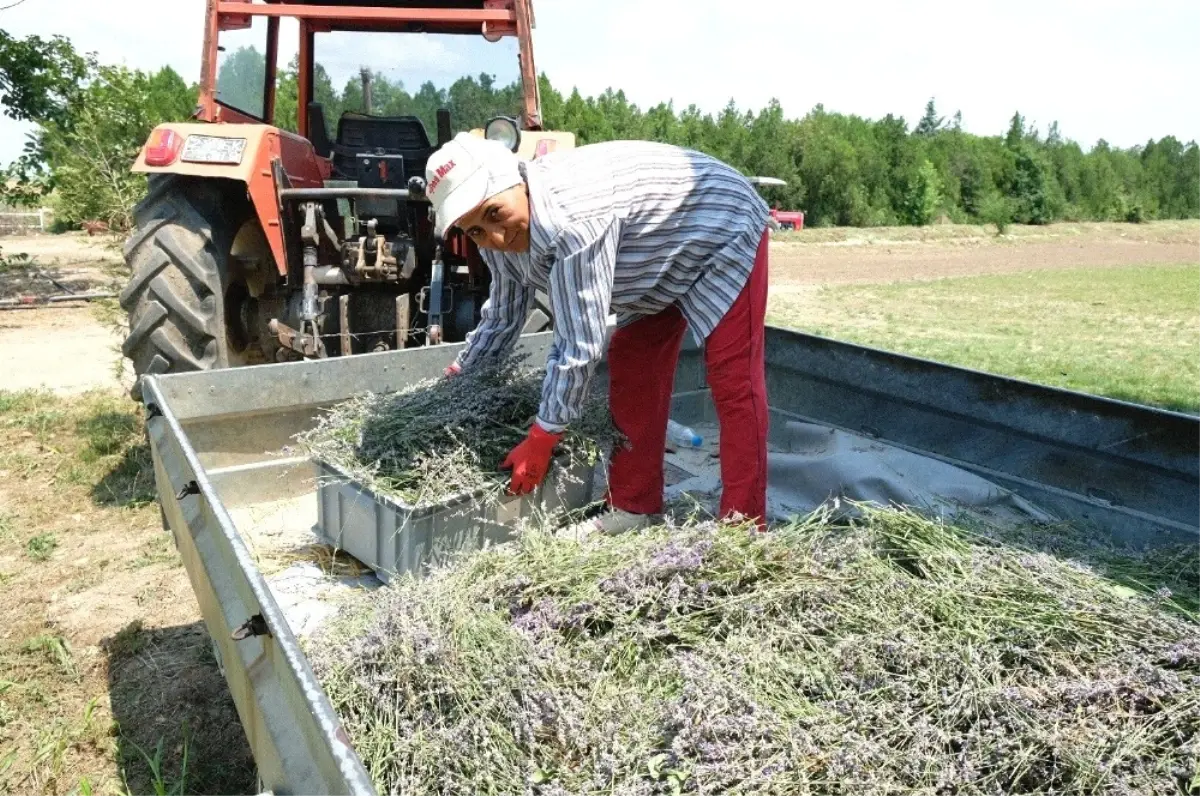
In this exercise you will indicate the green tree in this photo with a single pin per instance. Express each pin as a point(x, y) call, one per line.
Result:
point(661, 124)
point(552, 104)
point(925, 195)
point(625, 119)
point(1030, 189)
point(287, 94)
point(89, 159)
point(39, 82)
point(902, 154)
point(39, 78)
point(1168, 180)
point(472, 101)
point(769, 148)
point(995, 208)
point(840, 168)
point(695, 130)
point(1187, 183)
point(1016, 131)
point(930, 123)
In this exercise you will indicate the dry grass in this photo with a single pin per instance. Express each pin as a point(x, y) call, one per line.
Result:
point(102, 656)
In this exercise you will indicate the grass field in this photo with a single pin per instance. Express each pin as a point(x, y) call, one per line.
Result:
point(1130, 333)
point(107, 682)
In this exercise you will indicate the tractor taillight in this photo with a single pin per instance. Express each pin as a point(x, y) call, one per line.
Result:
point(163, 147)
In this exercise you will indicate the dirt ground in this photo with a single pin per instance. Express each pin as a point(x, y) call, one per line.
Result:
point(76, 347)
point(59, 264)
point(106, 678)
point(64, 347)
point(875, 256)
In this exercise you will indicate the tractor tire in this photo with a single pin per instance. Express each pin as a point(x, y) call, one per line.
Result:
point(179, 258)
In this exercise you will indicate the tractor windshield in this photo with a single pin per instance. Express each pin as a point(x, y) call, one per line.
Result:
point(414, 74)
point(242, 68)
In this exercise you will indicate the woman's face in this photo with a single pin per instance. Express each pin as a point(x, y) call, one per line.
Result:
point(500, 222)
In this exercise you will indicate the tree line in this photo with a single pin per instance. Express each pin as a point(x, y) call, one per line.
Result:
point(840, 169)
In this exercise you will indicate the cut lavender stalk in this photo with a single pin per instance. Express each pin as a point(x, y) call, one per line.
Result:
point(441, 438)
point(891, 655)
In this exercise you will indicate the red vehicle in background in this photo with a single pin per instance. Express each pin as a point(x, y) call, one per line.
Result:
point(788, 219)
point(780, 219)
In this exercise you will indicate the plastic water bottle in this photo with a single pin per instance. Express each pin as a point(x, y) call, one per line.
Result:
point(683, 436)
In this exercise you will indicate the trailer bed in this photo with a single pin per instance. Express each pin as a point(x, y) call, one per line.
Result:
point(241, 501)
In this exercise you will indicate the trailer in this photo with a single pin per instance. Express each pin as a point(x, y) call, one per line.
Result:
point(231, 483)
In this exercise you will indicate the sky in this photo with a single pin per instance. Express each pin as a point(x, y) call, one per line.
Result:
point(1121, 71)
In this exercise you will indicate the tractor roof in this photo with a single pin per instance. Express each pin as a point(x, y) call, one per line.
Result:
point(421, 16)
point(766, 181)
point(388, 3)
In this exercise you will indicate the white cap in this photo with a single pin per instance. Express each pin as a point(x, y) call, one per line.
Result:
point(463, 173)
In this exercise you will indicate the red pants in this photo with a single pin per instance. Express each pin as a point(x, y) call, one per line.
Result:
point(642, 359)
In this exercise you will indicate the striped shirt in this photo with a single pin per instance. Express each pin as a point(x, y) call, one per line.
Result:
point(627, 227)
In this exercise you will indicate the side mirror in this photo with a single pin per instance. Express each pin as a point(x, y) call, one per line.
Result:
point(503, 129)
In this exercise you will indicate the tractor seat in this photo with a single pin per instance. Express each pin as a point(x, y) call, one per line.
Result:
point(359, 133)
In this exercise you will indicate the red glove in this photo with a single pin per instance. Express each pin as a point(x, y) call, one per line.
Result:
point(452, 370)
point(530, 460)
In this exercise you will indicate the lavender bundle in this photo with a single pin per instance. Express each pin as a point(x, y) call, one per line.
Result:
point(892, 655)
point(440, 438)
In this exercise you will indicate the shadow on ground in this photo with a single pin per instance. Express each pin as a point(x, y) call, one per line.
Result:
point(130, 481)
point(21, 275)
point(178, 729)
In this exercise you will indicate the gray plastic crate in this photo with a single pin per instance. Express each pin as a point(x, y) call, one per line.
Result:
point(394, 538)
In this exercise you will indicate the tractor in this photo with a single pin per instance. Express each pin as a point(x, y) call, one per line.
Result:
point(779, 219)
point(255, 244)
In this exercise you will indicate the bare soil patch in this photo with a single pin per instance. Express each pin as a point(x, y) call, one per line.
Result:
point(66, 349)
point(875, 256)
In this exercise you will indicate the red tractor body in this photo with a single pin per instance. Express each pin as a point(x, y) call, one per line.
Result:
point(788, 219)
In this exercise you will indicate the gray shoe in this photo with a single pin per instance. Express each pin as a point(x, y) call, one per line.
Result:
point(611, 522)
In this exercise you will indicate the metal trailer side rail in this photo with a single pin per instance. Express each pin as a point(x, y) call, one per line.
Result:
point(298, 743)
point(1128, 470)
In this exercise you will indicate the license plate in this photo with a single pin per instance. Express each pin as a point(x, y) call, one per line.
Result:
point(212, 149)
